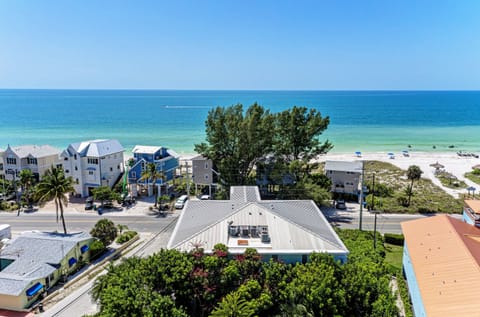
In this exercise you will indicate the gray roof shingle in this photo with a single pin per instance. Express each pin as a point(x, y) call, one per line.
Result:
point(35, 255)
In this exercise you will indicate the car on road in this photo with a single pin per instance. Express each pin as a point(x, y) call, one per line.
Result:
point(181, 202)
point(89, 203)
point(341, 204)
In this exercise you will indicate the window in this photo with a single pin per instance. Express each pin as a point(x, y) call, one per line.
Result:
point(1, 166)
point(76, 168)
point(118, 167)
point(65, 159)
point(67, 171)
point(92, 161)
point(90, 172)
point(134, 175)
point(59, 166)
point(75, 156)
point(111, 169)
point(76, 181)
point(11, 160)
point(31, 161)
point(206, 165)
point(206, 176)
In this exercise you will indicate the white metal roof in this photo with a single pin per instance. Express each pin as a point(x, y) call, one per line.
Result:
point(147, 149)
point(97, 148)
point(34, 150)
point(294, 225)
point(344, 166)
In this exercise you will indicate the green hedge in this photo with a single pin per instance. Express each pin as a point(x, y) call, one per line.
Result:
point(395, 239)
point(126, 236)
point(96, 249)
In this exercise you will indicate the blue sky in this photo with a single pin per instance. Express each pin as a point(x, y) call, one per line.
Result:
point(297, 45)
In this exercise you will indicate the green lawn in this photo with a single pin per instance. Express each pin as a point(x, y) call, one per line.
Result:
point(393, 255)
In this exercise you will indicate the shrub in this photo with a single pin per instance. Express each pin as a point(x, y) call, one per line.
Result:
point(96, 249)
point(395, 239)
point(476, 171)
point(126, 236)
point(105, 231)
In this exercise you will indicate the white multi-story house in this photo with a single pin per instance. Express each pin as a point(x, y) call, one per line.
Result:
point(92, 164)
point(36, 158)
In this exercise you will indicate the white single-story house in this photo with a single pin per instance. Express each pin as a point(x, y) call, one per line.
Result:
point(285, 230)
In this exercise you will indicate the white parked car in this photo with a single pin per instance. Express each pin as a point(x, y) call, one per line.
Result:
point(181, 202)
point(205, 197)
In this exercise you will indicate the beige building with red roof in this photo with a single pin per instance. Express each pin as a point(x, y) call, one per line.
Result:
point(441, 261)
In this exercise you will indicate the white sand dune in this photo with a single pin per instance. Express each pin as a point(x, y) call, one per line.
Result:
point(453, 163)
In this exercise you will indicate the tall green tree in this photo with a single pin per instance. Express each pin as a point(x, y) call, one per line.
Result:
point(55, 186)
point(152, 174)
point(236, 141)
point(297, 134)
point(413, 173)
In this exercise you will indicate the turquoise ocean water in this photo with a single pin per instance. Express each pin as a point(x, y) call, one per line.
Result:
point(369, 121)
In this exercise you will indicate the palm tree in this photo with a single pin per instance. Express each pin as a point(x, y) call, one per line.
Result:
point(233, 306)
point(26, 181)
point(55, 186)
point(151, 173)
point(413, 173)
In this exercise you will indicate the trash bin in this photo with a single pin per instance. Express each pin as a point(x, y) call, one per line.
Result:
point(40, 308)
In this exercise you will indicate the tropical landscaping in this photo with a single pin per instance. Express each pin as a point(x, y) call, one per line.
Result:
point(172, 283)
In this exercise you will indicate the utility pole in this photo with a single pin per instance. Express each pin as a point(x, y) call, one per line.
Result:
point(373, 191)
point(188, 180)
point(361, 197)
point(375, 231)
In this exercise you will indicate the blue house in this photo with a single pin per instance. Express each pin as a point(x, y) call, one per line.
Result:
point(166, 161)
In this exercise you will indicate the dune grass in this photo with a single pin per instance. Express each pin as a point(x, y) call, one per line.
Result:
point(427, 197)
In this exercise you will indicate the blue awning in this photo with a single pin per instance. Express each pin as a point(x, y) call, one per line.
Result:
point(91, 169)
point(72, 261)
point(34, 289)
point(85, 248)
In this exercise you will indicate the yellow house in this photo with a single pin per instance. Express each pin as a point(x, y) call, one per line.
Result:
point(35, 261)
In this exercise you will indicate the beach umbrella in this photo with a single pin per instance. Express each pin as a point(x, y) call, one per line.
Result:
point(358, 153)
point(471, 189)
point(437, 165)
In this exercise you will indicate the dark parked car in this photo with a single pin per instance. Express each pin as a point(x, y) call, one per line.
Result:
point(89, 203)
point(341, 205)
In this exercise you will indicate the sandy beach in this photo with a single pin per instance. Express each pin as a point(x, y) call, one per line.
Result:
point(453, 163)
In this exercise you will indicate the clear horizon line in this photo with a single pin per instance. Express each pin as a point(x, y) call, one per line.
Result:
point(185, 89)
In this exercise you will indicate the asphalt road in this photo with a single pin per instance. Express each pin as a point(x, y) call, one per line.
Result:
point(46, 221)
point(386, 223)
